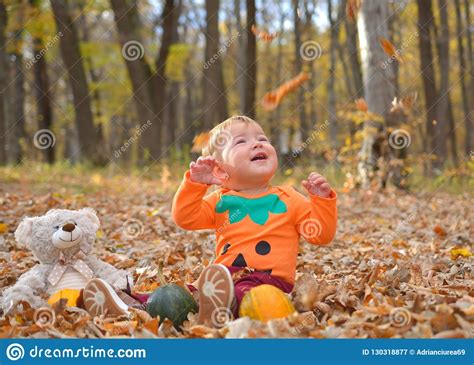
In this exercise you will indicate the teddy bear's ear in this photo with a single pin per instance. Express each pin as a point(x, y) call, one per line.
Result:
point(23, 231)
point(91, 214)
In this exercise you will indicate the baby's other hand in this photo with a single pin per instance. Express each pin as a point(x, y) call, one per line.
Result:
point(201, 171)
point(317, 185)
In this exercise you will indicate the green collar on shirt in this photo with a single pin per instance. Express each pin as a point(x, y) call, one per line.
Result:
point(258, 209)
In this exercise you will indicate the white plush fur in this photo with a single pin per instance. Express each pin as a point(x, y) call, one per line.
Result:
point(37, 232)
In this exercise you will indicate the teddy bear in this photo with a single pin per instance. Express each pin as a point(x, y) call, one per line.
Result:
point(62, 241)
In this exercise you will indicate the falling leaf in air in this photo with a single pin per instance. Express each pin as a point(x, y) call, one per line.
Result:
point(390, 49)
point(273, 98)
point(200, 141)
point(263, 35)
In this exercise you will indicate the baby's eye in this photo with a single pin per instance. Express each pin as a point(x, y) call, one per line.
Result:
point(240, 141)
point(263, 139)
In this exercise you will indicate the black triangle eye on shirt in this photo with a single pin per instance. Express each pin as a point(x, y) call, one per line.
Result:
point(226, 247)
point(261, 248)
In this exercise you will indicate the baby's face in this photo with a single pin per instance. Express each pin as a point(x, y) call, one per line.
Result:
point(248, 157)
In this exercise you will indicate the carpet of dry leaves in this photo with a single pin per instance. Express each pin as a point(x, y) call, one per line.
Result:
point(400, 266)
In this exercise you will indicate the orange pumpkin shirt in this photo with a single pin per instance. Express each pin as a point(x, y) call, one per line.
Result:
point(257, 231)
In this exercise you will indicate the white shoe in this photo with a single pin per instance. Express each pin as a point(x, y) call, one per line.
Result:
point(100, 298)
point(216, 296)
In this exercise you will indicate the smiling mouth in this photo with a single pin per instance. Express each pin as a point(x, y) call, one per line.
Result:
point(259, 157)
point(67, 240)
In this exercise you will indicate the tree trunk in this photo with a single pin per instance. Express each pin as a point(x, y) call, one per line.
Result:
point(470, 120)
point(378, 82)
point(73, 62)
point(250, 75)
point(169, 18)
point(425, 18)
point(173, 95)
point(241, 56)
point(332, 78)
point(351, 45)
point(149, 89)
point(42, 90)
point(94, 77)
point(441, 130)
point(3, 84)
point(303, 127)
point(190, 110)
point(215, 101)
point(312, 80)
point(129, 28)
point(276, 129)
point(43, 96)
point(17, 122)
point(340, 50)
point(463, 71)
point(394, 31)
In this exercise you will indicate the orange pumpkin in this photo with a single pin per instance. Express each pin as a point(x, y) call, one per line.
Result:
point(72, 295)
point(265, 302)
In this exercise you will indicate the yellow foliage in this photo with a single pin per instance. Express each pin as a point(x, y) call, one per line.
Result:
point(3, 228)
point(177, 61)
point(464, 252)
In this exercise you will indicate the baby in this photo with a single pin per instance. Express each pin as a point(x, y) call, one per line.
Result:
point(257, 225)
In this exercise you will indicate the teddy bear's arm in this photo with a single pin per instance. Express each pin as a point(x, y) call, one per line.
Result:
point(115, 277)
point(28, 288)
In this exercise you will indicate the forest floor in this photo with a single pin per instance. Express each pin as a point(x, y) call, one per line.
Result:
point(400, 265)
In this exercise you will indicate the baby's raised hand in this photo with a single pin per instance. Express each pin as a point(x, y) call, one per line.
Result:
point(317, 185)
point(201, 170)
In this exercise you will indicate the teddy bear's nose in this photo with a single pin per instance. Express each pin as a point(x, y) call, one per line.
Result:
point(69, 227)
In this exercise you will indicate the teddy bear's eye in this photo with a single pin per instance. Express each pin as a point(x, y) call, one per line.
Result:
point(56, 227)
point(74, 223)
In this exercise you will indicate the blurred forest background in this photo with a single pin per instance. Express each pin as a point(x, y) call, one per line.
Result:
point(377, 91)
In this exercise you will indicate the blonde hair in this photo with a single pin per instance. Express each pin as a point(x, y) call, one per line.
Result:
point(218, 136)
